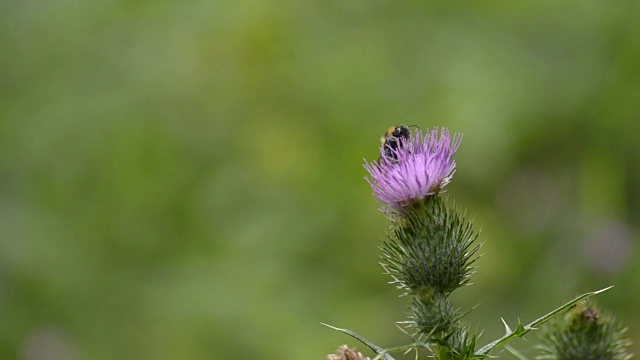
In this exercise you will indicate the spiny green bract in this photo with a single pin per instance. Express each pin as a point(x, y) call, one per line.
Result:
point(430, 249)
point(433, 314)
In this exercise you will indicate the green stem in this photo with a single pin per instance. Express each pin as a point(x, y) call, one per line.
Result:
point(443, 353)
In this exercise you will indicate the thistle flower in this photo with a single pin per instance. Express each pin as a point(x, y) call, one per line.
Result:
point(420, 166)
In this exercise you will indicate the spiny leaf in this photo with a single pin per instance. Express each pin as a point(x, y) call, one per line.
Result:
point(378, 350)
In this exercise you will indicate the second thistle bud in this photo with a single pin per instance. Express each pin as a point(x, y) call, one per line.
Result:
point(584, 334)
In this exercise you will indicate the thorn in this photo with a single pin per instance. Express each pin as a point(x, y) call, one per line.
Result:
point(507, 328)
point(331, 327)
point(602, 290)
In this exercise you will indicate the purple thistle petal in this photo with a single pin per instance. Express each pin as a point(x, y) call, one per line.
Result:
point(420, 166)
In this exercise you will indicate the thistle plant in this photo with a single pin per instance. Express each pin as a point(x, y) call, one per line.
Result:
point(430, 251)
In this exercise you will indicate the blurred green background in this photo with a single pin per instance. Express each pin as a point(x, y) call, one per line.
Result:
point(183, 180)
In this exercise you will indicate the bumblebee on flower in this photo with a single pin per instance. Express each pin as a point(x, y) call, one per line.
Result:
point(417, 167)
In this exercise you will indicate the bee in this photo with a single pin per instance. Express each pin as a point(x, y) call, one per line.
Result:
point(391, 141)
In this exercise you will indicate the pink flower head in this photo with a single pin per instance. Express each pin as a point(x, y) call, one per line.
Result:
point(418, 167)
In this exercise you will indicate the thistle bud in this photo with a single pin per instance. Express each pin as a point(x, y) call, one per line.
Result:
point(584, 334)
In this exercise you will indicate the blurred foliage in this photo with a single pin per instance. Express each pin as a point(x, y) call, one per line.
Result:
point(183, 180)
